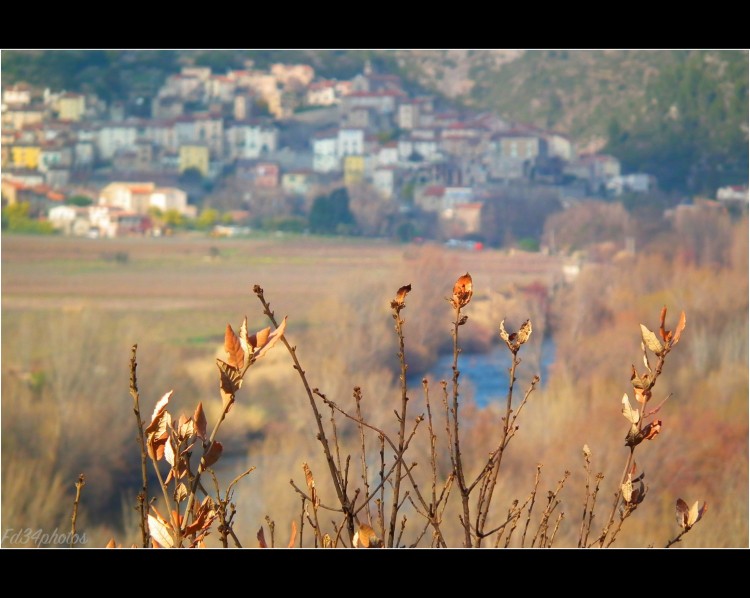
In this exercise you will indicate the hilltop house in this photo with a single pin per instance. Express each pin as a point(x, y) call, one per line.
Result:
point(139, 197)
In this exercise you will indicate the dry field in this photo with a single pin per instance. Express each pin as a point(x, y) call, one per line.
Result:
point(199, 272)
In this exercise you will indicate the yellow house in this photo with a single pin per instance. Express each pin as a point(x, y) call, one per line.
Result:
point(26, 156)
point(354, 169)
point(71, 106)
point(194, 156)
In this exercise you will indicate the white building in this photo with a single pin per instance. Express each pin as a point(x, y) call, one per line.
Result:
point(350, 142)
point(325, 152)
point(116, 136)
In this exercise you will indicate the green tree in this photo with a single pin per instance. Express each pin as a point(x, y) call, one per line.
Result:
point(207, 219)
point(330, 214)
point(79, 200)
point(174, 219)
point(15, 219)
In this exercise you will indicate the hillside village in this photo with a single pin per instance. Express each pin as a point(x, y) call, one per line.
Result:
point(256, 147)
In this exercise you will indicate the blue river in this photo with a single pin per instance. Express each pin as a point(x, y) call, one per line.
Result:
point(485, 375)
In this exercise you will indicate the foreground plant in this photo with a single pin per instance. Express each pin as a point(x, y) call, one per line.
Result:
point(187, 520)
point(390, 502)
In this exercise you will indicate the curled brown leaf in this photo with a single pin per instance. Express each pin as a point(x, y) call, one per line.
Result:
point(524, 332)
point(679, 329)
point(462, 291)
point(652, 429)
point(401, 295)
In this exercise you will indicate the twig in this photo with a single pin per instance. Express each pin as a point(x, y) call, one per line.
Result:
point(587, 467)
point(143, 494)
point(554, 531)
point(677, 538)
point(335, 474)
point(271, 528)
point(79, 485)
point(398, 456)
point(365, 482)
point(585, 538)
point(397, 307)
point(656, 373)
point(456, 448)
point(552, 503)
point(381, 500)
point(531, 505)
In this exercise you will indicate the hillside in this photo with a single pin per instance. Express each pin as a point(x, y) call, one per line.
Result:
point(681, 115)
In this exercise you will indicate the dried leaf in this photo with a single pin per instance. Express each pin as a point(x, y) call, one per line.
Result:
point(639, 492)
point(213, 454)
point(169, 451)
point(663, 331)
point(181, 492)
point(161, 406)
point(187, 428)
point(159, 530)
point(111, 543)
point(261, 538)
point(524, 332)
point(696, 512)
point(260, 338)
point(233, 347)
point(401, 295)
point(311, 485)
point(230, 378)
point(155, 446)
point(641, 396)
point(203, 517)
point(651, 430)
point(244, 342)
point(462, 291)
point(649, 338)
point(679, 329)
point(632, 415)
point(503, 333)
point(365, 537)
point(293, 536)
point(683, 512)
point(627, 489)
point(633, 437)
point(200, 421)
point(271, 339)
point(637, 381)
